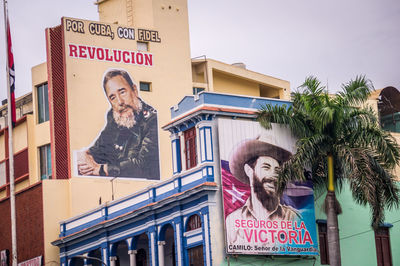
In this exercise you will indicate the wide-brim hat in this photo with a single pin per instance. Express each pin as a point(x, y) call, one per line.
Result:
point(253, 148)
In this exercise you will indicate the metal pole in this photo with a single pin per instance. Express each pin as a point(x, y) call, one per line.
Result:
point(10, 150)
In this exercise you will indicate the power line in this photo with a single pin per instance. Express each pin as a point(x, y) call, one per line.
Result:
point(360, 233)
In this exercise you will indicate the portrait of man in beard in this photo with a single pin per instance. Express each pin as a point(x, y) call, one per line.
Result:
point(255, 162)
point(128, 145)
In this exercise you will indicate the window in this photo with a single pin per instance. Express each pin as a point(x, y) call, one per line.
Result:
point(95, 254)
point(323, 242)
point(43, 103)
point(145, 86)
point(3, 174)
point(197, 90)
point(190, 148)
point(45, 162)
point(143, 46)
point(195, 256)
point(382, 244)
point(193, 223)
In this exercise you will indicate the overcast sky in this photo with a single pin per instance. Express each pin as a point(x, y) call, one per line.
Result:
point(287, 39)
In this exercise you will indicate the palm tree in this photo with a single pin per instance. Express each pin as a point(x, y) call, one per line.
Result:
point(340, 140)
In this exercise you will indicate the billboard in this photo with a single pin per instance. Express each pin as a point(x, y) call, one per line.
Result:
point(113, 127)
point(257, 220)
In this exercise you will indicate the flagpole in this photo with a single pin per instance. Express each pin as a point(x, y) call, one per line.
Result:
point(10, 149)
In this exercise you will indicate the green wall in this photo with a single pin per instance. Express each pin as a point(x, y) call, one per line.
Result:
point(391, 122)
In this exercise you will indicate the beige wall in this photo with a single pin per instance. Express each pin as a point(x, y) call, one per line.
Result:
point(170, 76)
point(225, 83)
point(220, 77)
point(113, 11)
point(55, 209)
point(40, 133)
point(20, 137)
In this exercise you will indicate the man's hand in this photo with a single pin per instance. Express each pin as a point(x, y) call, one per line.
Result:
point(87, 165)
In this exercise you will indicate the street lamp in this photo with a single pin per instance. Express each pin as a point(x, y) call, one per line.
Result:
point(88, 258)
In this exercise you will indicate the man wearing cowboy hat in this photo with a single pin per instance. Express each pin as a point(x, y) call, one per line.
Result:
point(255, 162)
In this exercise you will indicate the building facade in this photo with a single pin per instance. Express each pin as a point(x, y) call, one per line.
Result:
point(67, 108)
point(174, 217)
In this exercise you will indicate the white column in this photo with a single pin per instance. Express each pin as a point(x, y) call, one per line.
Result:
point(132, 257)
point(198, 152)
point(183, 155)
point(161, 258)
point(113, 261)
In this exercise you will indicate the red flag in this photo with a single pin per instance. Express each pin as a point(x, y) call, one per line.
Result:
point(235, 193)
point(11, 74)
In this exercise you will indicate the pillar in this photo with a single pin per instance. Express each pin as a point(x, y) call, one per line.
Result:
point(132, 257)
point(161, 258)
point(113, 261)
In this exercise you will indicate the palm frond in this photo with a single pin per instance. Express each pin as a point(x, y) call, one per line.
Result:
point(355, 92)
point(282, 115)
point(378, 140)
point(293, 170)
point(372, 184)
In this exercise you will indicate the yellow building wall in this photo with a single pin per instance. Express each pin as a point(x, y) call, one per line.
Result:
point(113, 11)
point(87, 193)
point(20, 137)
point(170, 78)
point(40, 133)
point(198, 75)
point(216, 76)
point(55, 209)
point(225, 83)
point(22, 185)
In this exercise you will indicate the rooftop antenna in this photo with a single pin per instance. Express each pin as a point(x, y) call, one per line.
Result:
point(327, 85)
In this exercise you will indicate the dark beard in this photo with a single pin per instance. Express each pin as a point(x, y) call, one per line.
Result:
point(268, 199)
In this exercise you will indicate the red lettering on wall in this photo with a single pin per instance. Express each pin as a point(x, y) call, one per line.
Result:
point(139, 58)
point(133, 57)
point(91, 51)
point(237, 223)
point(248, 236)
point(117, 55)
point(82, 52)
point(100, 53)
point(307, 238)
point(261, 237)
point(72, 50)
point(282, 236)
point(293, 236)
point(125, 57)
point(148, 59)
point(108, 57)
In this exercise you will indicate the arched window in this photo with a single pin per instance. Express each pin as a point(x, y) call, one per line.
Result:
point(193, 223)
point(169, 248)
point(95, 254)
point(195, 254)
point(76, 262)
point(142, 247)
point(122, 254)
